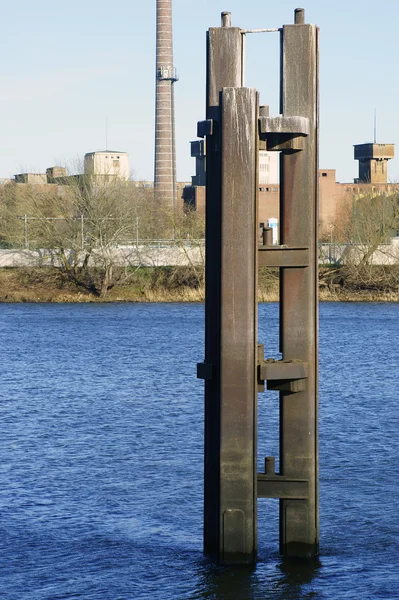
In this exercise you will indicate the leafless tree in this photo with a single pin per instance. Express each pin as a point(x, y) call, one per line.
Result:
point(365, 230)
point(95, 228)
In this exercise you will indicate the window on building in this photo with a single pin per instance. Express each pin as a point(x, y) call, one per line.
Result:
point(324, 174)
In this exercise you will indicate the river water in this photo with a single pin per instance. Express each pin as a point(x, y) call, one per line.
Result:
point(101, 421)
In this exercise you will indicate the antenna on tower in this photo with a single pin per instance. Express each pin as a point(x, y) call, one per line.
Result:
point(106, 133)
point(375, 126)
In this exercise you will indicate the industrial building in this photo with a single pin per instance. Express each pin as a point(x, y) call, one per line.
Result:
point(102, 166)
point(333, 195)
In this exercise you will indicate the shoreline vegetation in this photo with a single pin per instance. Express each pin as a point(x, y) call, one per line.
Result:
point(171, 284)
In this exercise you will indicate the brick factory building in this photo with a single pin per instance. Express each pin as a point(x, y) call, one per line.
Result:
point(333, 195)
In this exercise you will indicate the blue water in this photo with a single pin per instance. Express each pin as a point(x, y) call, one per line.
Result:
point(101, 429)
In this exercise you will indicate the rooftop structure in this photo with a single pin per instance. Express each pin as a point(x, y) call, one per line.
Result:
point(107, 163)
point(373, 159)
point(31, 178)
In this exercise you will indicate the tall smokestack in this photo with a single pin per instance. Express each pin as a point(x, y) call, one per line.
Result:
point(165, 151)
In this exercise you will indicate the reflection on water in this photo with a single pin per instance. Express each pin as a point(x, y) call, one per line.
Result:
point(279, 580)
point(101, 422)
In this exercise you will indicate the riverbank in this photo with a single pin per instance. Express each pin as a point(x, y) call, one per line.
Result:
point(167, 285)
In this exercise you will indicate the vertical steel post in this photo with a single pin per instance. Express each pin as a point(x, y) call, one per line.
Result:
point(230, 315)
point(299, 530)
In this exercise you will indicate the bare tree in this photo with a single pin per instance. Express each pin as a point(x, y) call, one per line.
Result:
point(81, 221)
point(364, 230)
point(96, 228)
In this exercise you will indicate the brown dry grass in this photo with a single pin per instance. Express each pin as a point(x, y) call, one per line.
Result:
point(49, 285)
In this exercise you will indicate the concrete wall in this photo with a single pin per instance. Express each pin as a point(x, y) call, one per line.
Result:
point(156, 254)
point(386, 254)
point(164, 253)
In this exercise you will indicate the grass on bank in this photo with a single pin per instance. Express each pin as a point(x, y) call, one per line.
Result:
point(171, 284)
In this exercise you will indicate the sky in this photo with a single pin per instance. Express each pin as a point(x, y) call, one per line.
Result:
point(68, 68)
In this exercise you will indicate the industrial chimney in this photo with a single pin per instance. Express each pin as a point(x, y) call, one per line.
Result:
point(165, 151)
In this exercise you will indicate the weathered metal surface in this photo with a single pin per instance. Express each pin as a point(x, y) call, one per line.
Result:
point(225, 46)
point(234, 367)
point(270, 465)
point(283, 256)
point(267, 236)
point(204, 128)
point(280, 369)
point(299, 16)
point(287, 386)
point(282, 124)
point(284, 142)
point(299, 528)
point(230, 318)
point(205, 371)
point(238, 322)
point(277, 486)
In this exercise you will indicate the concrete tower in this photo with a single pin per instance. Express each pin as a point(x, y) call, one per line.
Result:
point(373, 160)
point(165, 151)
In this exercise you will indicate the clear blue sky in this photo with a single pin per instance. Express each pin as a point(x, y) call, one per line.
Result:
point(67, 66)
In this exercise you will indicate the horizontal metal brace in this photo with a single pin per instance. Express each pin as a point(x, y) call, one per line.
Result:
point(283, 256)
point(278, 486)
point(205, 371)
point(274, 370)
point(288, 386)
point(291, 125)
point(274, 30)
point(285, 134)
point(286, 376)
point(204, 128)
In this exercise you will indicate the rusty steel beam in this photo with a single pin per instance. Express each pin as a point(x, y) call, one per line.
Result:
point(230, 528)
point(299, 522)
point(235, 369)
point(282, 487)
point(283, 256)
point(238, 325)
point(230, 316)
point(224, 69)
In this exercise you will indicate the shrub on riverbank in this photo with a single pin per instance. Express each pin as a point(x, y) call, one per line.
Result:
point(183, 284)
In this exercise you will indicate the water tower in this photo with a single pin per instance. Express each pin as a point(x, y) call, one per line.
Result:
point(373, 160)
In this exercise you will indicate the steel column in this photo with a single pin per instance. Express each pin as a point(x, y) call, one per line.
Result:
point(299, 534)
point(231, 327)
point(235, 368)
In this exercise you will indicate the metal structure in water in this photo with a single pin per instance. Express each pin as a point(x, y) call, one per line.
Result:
point(235, 369)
